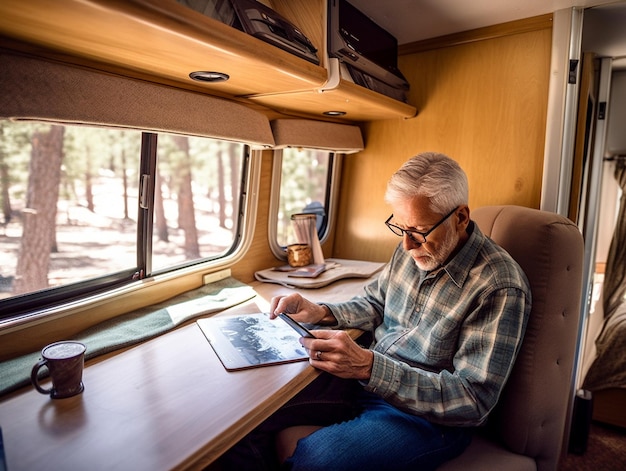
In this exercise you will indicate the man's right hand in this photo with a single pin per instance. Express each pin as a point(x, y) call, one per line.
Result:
point(301, 309)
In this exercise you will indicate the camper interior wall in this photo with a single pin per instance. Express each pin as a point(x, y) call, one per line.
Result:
point(482, 99)
point(260, 255)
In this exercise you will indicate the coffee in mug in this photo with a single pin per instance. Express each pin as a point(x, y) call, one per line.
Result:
point(65, 361)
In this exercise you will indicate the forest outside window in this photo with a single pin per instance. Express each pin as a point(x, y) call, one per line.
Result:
point(197, 199)
point(72, 223)
point(305, 187)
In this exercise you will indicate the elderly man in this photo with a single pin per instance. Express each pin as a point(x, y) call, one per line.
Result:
point(447, 315)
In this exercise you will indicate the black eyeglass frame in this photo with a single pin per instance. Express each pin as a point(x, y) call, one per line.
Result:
point(412, 233)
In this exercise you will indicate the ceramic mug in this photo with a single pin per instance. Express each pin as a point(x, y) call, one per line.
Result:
point(299, 255)
point(65, 361)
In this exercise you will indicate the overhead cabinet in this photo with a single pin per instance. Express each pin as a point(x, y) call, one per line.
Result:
point(165, 41)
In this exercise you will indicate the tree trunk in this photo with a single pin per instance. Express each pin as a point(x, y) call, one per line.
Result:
point(159, 209)
point(221, 188)
point(89, 181)
point(41, 209)
point(125, 184)
point(186, 214)
point(7, 212)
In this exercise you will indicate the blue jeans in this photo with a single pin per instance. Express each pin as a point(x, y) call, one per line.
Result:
point(361, 432)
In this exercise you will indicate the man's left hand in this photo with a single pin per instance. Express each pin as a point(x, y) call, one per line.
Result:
point(335, 352)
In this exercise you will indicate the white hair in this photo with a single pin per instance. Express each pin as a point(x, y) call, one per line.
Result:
point(432, 175)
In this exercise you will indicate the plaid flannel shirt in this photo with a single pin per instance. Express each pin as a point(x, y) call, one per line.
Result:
point(444, 341)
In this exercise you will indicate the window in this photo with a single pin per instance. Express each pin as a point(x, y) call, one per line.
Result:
point(197, 199)
point(79, 214)
point(305, 187)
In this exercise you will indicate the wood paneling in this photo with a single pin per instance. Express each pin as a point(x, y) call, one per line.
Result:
point(259, 256)
point(165, 41)
point(483, 103)
point(354, 100)
point(159, 37)
point(35, 333)
point(165, 404)
point(480, 34)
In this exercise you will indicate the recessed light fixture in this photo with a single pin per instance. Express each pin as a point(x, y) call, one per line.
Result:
point(334, 113)
point(206, 76)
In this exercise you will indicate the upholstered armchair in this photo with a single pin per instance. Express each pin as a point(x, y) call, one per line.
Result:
point(526, 430)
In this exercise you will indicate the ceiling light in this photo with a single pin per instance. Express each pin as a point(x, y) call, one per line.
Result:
point(205, 76)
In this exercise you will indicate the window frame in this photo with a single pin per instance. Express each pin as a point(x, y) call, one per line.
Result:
point(58, 300)
point(332, 198)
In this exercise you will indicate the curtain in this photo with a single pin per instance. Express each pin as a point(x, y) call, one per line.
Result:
point(45, 90)
point(310, 134)
point(615, 274)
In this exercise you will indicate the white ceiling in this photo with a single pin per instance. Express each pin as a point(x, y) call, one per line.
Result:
point(414, 20)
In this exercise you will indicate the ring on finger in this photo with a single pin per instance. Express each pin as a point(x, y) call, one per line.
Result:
point(318, 355)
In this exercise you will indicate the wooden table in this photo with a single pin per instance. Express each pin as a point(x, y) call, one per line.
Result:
point(164, 404)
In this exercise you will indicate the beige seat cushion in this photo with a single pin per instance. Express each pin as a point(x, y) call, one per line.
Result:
point(485, 455)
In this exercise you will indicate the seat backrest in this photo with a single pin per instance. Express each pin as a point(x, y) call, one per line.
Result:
point(531, 415)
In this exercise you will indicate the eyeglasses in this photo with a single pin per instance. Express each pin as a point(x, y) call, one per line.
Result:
point(416, 236)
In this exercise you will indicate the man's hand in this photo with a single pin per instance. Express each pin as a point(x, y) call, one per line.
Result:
point(332, 351)
point(301, 309)
point(335, 352)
